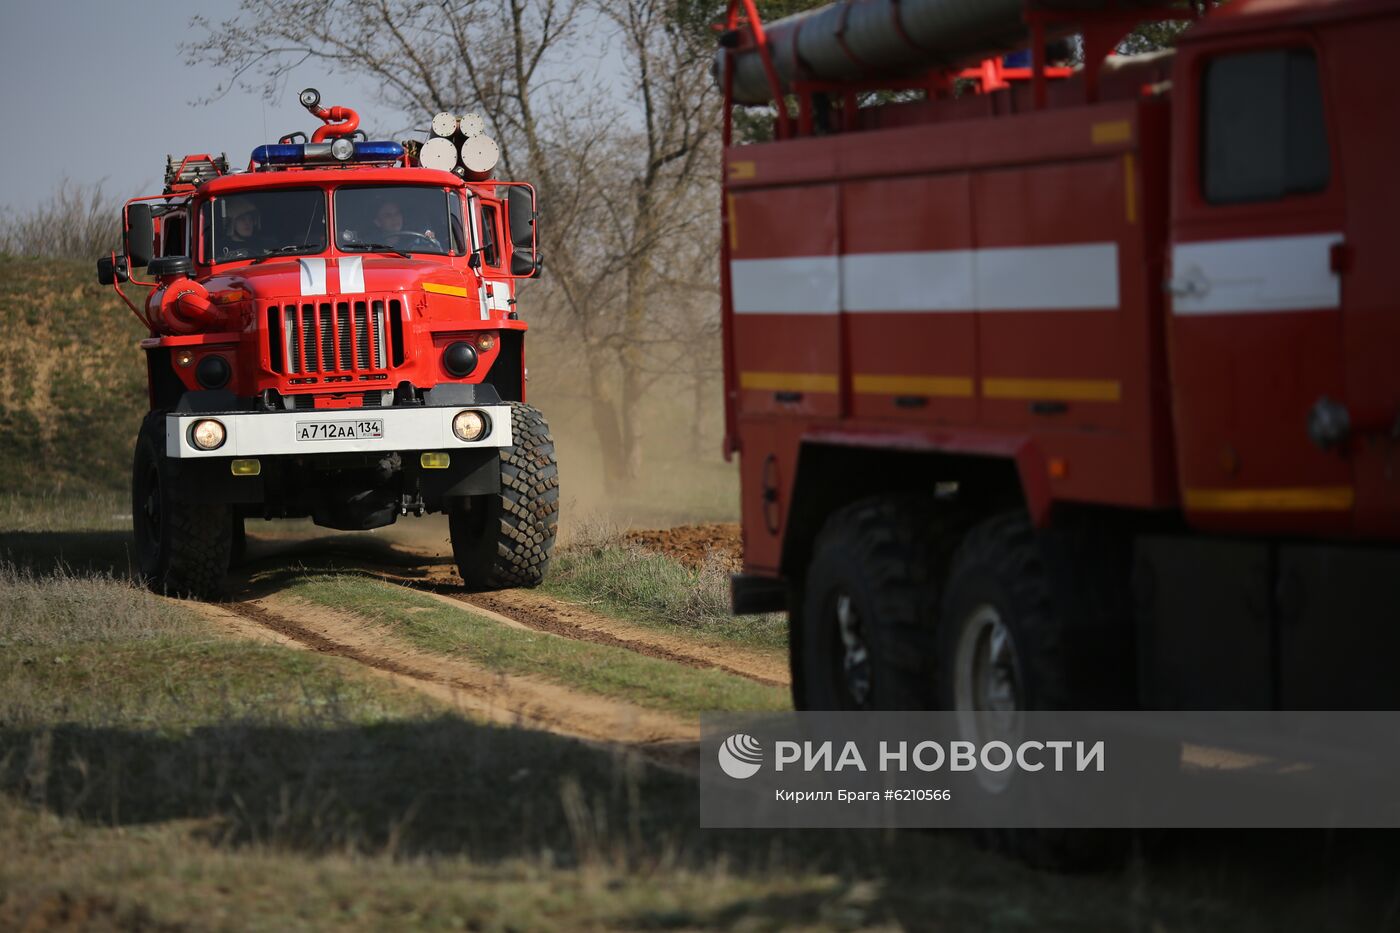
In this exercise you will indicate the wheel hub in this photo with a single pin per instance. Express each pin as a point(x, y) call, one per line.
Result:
point(986, 685)
point(855, 659)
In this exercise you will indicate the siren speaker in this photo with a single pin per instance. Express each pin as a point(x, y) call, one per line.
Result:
point(479, 156)
point(473, 124)
point(444, 125)
point(438, 153)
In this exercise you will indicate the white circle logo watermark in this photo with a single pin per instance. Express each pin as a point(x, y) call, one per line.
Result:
point(740, 756)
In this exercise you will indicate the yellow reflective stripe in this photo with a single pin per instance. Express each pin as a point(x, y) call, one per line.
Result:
point(456, 291)
point(733, 224)
point(789, 382)
point(738, 171)
point(1277, 499)
point(1116, 131)
point(941, 386)
point(1076, 390)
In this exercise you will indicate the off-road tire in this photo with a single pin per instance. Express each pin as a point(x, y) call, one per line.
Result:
point(238, 549)
point(880, 553)
point(1003, 562)
point(506, 539)
point(182, 548)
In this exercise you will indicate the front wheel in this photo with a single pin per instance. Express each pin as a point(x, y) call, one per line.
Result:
point(182, 548)
point(506, 539)
point(863, 623)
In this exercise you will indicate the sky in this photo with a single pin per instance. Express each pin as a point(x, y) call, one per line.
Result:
point(100, 90)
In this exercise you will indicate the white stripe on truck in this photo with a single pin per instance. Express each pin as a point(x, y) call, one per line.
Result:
point(1077, 277)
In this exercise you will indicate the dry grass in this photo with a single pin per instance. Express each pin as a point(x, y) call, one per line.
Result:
point(72, 380)
point(595, 566)
point(68, 608)
point(78, 221)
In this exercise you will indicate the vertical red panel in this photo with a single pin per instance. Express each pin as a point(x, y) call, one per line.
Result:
point(911, 334)
point(786, 287)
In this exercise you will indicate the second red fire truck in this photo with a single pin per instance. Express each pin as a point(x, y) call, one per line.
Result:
point(1065, 385)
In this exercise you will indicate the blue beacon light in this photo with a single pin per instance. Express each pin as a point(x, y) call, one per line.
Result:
point(320, 153)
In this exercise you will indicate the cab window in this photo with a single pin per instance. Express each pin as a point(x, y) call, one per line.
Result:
point(490, 253)
point(405, 218)
point(172, 234)
point(1263, 132)
point(287, 221)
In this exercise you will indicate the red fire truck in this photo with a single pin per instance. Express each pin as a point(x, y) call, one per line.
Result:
point(1061, 378)
point(334, 334)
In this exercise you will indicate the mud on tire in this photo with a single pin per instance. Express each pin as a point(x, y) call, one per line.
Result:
point(506, 540)
point(182, 548)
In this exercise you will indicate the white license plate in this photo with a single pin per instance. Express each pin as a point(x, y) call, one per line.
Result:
point(339, 430)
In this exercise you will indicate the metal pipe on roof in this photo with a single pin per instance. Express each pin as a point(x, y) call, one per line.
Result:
point(857, 39)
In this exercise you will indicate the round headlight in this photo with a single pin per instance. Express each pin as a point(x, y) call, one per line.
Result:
point(213, 372)
point(485, 342)
point(459, 358)
point(342, 148)
point(208, 434)
point(470, 425)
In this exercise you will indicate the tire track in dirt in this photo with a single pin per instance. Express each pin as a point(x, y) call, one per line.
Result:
point(507, 699)
point(546, 614)
point(433, 574)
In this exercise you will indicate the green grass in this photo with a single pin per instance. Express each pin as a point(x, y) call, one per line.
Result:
point(653, 590)
point(601, 669)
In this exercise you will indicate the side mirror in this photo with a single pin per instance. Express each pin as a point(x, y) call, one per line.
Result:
point(524, 237)
point(140, 234)
point(111, 269)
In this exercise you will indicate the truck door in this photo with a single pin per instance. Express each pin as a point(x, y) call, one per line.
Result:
point(1255, 330)
point(1370, 145)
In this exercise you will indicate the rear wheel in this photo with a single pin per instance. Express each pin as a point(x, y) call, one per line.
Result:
point(1007, 644)
point(506, 539)
point(182, 548)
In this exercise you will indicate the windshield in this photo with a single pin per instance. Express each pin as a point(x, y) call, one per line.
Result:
point(399, 218)
point(262, 223)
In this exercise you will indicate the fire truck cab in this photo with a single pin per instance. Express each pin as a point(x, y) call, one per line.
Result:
point(335, 335)
point(1068, 385)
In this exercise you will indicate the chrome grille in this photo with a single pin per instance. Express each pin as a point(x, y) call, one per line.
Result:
point(333, 337)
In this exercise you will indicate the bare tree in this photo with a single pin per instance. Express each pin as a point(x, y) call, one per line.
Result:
point(627, 186)
point(77, 221)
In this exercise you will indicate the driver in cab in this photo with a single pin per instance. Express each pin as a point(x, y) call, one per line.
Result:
point(243, 229)
point(389, 226)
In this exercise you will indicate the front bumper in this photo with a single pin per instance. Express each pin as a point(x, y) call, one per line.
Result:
point(260, 434)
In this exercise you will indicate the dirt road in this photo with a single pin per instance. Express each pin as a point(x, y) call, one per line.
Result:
point(260, 609)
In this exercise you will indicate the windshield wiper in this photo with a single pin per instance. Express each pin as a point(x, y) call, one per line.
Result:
point(292, 250)
point(377, 248)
